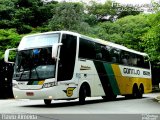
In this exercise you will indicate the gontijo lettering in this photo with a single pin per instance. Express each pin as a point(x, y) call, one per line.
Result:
point(131, 71)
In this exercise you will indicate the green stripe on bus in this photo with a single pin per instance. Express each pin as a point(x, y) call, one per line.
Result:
point(103, 78)
point(30, 83)
point(112, 78)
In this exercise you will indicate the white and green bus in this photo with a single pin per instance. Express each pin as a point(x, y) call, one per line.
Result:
point(64, 65)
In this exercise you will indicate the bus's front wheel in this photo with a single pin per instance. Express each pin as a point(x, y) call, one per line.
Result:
point(47, 102)
point(82, 94)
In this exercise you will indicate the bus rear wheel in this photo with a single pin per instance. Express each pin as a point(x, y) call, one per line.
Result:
point(141, 91)
point(135, 92)
point(82, 95)
point(47, 102)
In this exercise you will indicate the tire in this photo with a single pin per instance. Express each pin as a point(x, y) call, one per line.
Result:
point(135, 92)
point(47, 102)
point(141, 91)
point(82, 95)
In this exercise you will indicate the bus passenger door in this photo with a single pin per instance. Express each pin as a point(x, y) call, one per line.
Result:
point(66, 82)
point(67, 58)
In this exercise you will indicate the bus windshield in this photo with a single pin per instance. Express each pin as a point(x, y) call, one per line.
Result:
point(34, 64)
point(38, 41)
point(34, 58)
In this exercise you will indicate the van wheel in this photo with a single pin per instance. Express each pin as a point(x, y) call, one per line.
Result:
point(47, 102)
point(82, 95)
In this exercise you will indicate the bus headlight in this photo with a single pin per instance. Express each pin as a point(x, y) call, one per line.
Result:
point(50, 84)
point(14, 85)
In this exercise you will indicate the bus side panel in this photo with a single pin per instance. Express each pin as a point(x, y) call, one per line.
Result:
point(107, 78)
point(123, 82)
point(126, 83)
point(86, 72)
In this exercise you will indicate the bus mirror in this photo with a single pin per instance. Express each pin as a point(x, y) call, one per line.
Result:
point(55, 50)
point(9, 54)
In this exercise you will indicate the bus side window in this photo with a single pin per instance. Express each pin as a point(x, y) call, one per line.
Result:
point(114, 55)
point(134, 59)
point(87, 49)
point(140, 61)
point(98, 51)
point(105, 53)
point(123, 60)
point(146, 62)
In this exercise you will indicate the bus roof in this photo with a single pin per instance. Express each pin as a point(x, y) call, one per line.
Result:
point(95, 40)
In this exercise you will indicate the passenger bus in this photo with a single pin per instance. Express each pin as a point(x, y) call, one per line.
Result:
point(64, 65)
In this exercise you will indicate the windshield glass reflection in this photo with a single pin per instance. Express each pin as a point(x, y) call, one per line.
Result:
point(34, 64)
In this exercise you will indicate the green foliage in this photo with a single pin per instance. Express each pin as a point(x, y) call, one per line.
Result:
point(8, 39)
point(127, 31)
point(68, 16)
point(6, 13)
point(24, 14)
point(102, 10)
point(30, 13)
point(151, 39)
point(6, 9)
point(137, 31)
point(126, 11)
point(132, 29)
point(109, 11)
point(156, 6)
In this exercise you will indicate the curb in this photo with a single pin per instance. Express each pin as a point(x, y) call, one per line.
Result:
point(158, 98)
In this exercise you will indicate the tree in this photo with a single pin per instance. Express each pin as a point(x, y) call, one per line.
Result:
point(151, 39)
point(68, 16)
point(132, 30)
point(9, 38)
point(127, 31)
point(31, 13)
point(126, 11)
point(103, 12)
point(110, 10)
point(6, 13)
point(25, 14)
point(156, 6)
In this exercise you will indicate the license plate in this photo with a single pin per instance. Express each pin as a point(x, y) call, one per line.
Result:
point(29, 93)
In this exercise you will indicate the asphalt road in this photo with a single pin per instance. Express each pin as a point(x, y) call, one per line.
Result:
point(95, 108)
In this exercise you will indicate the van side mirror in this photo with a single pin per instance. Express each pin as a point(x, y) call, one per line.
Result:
point(55, 50)
point(7, 55)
